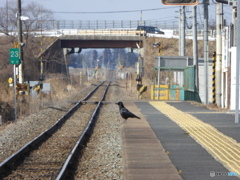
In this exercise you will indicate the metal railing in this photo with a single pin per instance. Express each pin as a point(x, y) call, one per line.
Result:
point(103, 24)
point(60, 27)
point(104, 32)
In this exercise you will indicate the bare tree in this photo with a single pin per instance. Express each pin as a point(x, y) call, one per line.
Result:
point(212, 24)
point(39, 17)
point(8, 20)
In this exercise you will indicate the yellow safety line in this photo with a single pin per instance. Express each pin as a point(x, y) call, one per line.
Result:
point(223, 148)
point(219, 136)
point(203, 112)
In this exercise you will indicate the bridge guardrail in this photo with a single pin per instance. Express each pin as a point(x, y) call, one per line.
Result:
point(107, 32)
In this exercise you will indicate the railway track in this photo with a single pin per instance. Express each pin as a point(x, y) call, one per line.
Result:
point(49, 156)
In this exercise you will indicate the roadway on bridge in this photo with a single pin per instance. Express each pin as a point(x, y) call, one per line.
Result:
point(202, 143)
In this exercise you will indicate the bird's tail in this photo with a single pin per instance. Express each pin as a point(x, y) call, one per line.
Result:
point(137, 117)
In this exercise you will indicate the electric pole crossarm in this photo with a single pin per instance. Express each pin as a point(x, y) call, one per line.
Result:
point(222, 1)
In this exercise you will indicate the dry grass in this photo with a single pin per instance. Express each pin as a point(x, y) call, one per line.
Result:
point(60, 84)
point(61, 87)
point(169, 48)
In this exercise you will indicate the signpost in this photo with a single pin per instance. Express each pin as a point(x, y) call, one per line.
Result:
point(14, 59)
point(14, 56)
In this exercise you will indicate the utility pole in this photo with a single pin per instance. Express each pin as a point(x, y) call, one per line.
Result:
point(205, 37)
point(219, 25)
point(182, 25)
point(237, 65)
point(7, 16)
point(183, 44)
point(41, 79)
point(19, 24)
point(195, 48)
point(234, 21)
point(180, 30)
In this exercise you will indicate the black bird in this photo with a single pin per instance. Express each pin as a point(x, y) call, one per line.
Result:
point(125, 113)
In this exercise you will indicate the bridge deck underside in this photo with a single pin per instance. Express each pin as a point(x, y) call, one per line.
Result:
point(100, 43)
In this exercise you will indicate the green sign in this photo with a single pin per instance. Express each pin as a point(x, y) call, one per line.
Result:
point(14, 56)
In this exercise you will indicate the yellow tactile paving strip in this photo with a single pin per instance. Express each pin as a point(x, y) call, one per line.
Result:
point(223, 148)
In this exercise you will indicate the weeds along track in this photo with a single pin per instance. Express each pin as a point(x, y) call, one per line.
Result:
point(48, 156)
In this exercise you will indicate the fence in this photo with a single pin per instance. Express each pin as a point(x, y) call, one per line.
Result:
point(60, 25)
point(127, 24)
point(103, 24)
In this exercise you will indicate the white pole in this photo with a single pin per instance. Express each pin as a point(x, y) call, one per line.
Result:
point(219, 23)
point(237, 65)
point(206, 3)
point(14, 91)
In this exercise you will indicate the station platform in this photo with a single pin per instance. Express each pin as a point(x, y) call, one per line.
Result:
point(180, 140)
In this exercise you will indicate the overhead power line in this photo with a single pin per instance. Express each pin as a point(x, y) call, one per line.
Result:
point(108, 12)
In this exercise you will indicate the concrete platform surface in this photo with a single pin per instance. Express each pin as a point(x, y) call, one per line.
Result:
point(202, 143)
point(144, 156)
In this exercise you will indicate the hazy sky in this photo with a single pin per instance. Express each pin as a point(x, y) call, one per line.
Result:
point(152, 9)
point(108, 6)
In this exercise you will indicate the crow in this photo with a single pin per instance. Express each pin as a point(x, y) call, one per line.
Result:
point(125, 113)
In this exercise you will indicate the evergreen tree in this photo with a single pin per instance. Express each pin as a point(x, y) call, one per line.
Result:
point(131, 59)
point(119, 56)
point(107, 56)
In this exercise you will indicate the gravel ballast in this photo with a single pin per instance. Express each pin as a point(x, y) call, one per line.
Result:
point(102, 157)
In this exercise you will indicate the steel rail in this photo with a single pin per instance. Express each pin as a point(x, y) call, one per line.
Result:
point(85, 134)
point(9, 162)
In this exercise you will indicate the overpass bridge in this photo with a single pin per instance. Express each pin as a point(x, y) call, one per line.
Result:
point(103, 39)
point(82, 39)
point(100, 42)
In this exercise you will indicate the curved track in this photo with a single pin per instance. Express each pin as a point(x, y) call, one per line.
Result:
point(48, 156)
